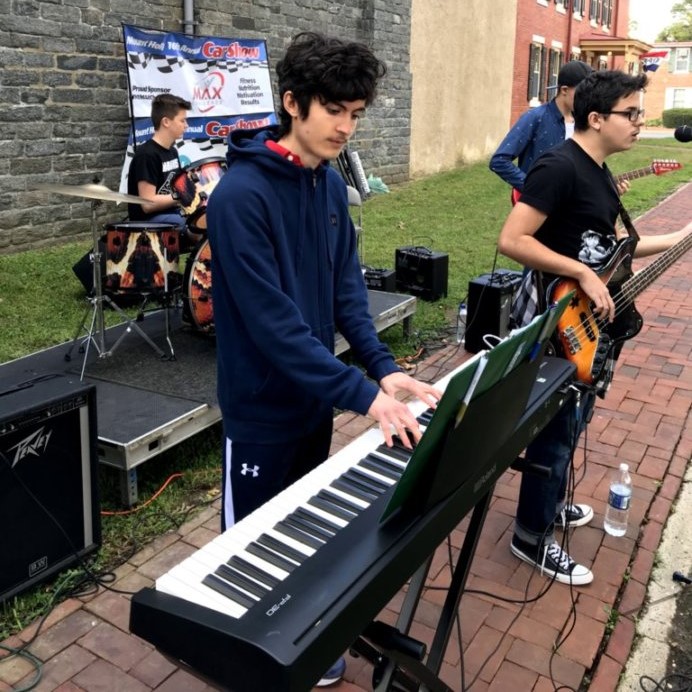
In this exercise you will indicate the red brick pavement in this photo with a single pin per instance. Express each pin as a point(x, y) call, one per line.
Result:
point(645, 420)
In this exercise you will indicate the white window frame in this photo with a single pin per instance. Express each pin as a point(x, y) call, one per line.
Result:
point(681, 60)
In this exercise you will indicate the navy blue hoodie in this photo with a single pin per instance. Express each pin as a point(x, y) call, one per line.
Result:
point(285, 277)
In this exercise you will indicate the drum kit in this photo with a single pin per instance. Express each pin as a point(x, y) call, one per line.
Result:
point(142, 260)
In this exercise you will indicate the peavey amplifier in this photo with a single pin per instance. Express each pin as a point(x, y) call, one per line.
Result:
point(422, 272)
point(48, 483)
point(489, 306)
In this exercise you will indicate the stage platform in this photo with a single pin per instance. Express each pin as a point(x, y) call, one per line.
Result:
point(146, 404)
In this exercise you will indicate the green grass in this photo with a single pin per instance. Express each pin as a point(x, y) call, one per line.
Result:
point(460, 212)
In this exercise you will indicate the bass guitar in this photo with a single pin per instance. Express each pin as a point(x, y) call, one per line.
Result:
point(657, 167)
point(589, 341)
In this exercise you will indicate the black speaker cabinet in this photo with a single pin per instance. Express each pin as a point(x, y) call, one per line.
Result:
point(489, 306)
point(421, 272)
point(380, 280)
point(48, 479)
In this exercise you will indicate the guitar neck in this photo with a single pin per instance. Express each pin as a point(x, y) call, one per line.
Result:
point(656, 167)
point(636, 173)
point(644, 278)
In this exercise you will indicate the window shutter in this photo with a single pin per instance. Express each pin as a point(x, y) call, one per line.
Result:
point(541, 87)
point(533, 55)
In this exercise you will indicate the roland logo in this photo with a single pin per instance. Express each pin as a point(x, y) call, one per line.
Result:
point(484, 478)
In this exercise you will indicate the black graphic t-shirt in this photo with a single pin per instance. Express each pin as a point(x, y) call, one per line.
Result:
point(580, 200)
point(153, 164)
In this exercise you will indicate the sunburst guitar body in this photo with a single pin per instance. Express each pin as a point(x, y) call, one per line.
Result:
point(589, 341)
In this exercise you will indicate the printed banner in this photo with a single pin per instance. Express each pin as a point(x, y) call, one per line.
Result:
point(227, 81)
point(653, 59)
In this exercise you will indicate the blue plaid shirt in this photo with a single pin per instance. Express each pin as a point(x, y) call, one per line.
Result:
point(536, 131)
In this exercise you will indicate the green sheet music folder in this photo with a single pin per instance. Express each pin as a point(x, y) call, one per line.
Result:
point(481, 406)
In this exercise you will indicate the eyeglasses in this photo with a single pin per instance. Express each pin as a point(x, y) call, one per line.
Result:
point(632, 114)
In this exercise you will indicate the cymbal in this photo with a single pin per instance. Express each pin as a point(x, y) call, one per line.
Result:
point(90, 191)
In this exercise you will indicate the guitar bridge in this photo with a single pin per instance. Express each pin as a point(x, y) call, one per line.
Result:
point(571, 340)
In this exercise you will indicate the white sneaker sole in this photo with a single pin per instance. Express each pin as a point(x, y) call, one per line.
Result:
point(588, 516)
point(580, 575)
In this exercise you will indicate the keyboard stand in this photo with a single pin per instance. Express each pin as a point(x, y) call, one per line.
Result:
point(388, 662)
point(394, 666)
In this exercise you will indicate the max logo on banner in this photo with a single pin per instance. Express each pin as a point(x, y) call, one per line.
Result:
point(208, 92)
point(35, 444)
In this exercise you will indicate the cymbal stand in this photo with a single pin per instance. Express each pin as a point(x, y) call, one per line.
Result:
point(96, 334)
point(167, 298)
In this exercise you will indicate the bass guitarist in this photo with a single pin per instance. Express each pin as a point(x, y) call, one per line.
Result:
point(563, 226)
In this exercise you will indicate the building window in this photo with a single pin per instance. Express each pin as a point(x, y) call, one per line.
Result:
point(595, 10)
point(554, 62)
point(679, 100)
point(578, 7)
point(606, 12)
point(681, 60)
point(536, 85)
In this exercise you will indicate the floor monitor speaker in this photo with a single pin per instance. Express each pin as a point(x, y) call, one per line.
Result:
point(489, 305)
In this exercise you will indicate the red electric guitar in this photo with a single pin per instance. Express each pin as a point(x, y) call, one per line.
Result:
point(588, 341)
point(657, 167)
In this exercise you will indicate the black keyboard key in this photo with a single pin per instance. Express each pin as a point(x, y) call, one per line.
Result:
point(381, 466)
point(367, 484)
point(300, 535)
point(241, 581)
point(225, 589)
point(317, 520)
point(351, 488)
point(398, 444)
point(339, 501)
point(253, 571)
point(375, 483)
point(281, 548)
point(426, 417)
point(271, 557)
point(331, 507)
point(395, 452)
point(308, 527)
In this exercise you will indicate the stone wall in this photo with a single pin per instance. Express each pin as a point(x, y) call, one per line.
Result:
point(64, 89)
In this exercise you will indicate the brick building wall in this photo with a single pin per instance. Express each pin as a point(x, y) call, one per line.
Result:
point(671, 84)
point(64, 89)
point(552, 24)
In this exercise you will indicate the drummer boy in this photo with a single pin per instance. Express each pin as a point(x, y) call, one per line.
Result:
point(154, 166)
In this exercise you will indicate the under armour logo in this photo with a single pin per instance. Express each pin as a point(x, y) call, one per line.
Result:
point(246, 470)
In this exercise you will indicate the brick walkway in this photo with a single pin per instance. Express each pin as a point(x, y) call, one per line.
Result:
point(645, 420)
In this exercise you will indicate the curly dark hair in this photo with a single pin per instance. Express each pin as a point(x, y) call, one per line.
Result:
point(328, 68)
point(167, 106)
point(600, 91)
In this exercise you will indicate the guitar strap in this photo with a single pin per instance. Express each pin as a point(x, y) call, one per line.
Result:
point(624, 214)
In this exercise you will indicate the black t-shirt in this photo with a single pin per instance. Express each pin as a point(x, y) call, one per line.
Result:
point(153, 164)
point(581, 202)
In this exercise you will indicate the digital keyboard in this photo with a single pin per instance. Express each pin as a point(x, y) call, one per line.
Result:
point(271, 603)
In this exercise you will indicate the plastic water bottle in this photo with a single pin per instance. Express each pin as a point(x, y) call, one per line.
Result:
point(617, 511)
point(461, 322)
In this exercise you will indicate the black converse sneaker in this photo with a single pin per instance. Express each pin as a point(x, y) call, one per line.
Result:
point(551, 560)
point(574, 515)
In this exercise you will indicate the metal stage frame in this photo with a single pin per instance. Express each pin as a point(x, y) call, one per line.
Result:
point(146, 404)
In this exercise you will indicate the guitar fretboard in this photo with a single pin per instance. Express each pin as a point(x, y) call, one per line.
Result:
point(644, 278)
point(637, 173)
point(656, 167)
